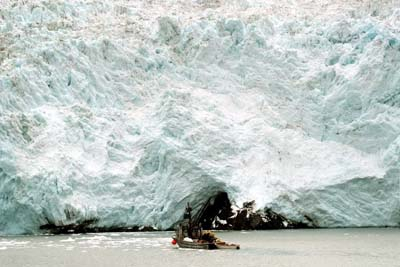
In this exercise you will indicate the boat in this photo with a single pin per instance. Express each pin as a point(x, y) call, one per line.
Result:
point(189, 234)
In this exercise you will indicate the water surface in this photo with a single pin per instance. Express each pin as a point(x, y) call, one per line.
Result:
point(327, 247)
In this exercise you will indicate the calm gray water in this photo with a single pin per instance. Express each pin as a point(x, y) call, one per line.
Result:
point(328, 247)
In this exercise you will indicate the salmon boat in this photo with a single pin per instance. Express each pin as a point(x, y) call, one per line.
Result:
point(189, 234)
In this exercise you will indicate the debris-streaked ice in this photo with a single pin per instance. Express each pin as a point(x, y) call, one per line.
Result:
point(122, 111)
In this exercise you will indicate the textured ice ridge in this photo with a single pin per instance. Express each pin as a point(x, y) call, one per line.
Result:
point(119, 112)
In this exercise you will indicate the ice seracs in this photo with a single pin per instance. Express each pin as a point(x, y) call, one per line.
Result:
point(116, 113)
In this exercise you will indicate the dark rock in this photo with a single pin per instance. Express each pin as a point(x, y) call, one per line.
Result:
point(89, 226)
point(219, 214)
point(218, 206)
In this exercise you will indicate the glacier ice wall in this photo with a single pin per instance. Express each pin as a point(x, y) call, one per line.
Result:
point(122, 111)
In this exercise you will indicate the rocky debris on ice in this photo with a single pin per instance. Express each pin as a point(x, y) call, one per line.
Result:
point(221, 214)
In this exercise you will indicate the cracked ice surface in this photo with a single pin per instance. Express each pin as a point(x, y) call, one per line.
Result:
point(122, 111)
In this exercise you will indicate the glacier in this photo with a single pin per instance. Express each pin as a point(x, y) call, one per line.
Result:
point(120, 112)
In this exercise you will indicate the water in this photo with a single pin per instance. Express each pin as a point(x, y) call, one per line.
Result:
point(327, 247)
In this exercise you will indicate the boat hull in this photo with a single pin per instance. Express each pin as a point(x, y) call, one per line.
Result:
point(195, 245)
point(227, 246)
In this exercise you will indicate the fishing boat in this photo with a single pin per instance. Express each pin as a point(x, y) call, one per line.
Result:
point(189, 234)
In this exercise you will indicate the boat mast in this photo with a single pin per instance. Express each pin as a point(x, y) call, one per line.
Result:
point(188, 216)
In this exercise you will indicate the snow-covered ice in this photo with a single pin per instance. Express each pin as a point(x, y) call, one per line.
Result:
point(122, 111)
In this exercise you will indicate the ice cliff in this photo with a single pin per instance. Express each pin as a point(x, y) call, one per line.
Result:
point(119, 112)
